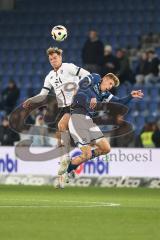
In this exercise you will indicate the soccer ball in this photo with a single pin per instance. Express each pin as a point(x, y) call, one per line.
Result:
point(59, 33)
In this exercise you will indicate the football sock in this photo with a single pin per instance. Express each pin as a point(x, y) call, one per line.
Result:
point(95, 153)
point(71, 167)
point(65, 141)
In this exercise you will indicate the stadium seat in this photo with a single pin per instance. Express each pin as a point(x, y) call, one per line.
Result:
point(140, 121)
point(24, 38)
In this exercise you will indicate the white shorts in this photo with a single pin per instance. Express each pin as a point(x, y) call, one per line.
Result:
point(83, 130)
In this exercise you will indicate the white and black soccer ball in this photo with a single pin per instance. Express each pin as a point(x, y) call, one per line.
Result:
point(59, 33)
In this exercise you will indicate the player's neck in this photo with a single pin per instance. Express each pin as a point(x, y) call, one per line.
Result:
point(56, 68)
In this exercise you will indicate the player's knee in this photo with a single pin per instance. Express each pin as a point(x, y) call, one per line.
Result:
point(106, 148)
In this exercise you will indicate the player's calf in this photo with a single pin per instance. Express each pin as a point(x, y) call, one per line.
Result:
point(103, 147)
point(86, 155)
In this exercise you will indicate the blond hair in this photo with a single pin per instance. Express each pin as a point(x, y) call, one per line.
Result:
point(114, 78)
point(53, 50)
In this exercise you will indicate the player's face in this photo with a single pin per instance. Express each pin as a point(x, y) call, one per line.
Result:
point(106, 84)
point(55, 60)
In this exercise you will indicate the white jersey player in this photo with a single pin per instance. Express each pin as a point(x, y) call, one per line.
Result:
point(64, 79)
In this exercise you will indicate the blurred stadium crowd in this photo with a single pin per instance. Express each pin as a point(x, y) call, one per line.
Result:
point(117, 36)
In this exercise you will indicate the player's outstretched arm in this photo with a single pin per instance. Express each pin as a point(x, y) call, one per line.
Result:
point(36, 99)
point(41, 96)
point(134, 94)
point(27, 104)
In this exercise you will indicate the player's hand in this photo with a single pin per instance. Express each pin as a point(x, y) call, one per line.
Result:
point(137, 94)
point(93, 103)
point(27, 104)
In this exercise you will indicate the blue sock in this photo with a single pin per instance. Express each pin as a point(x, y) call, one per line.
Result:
point(71, 167)
point(93, 153)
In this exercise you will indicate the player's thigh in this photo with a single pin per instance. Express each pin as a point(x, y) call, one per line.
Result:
point(103, 144)
point(95, 131)
point(79, 130)
point(63, 122)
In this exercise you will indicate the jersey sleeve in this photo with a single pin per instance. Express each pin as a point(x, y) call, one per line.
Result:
point(46, 87)
point(77, 71)
point(85, 85)
point(83, 73)
point(123, 100)
point(108, 97)
point(96, 78)
point(89, 80)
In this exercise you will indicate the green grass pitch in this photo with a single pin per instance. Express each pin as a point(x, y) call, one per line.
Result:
point(45, 213)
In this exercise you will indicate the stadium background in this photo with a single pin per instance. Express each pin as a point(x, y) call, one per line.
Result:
point(127, 26)
point(103, 212)
point(25, 36)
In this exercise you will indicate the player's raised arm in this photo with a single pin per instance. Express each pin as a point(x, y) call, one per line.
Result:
point(127, 99)
point(134, 94)
point(108, 82)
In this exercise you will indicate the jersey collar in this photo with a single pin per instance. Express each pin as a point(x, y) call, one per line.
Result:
point(58, 68)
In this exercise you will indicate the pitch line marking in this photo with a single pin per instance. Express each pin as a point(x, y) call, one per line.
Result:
point(25, 200)
point(89, 205)
point(54, 206)
point(81, 204)
point(99, 203)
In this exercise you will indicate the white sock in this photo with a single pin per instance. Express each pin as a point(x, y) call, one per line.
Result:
point(65, 139)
